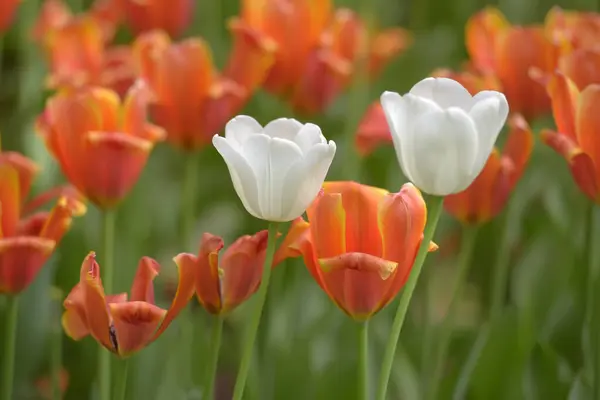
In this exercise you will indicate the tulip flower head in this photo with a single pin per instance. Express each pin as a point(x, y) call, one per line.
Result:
point(360, 243)
point(101, 143)
point(442, 135)
point(28, 236)
point(277, 170)
point(122, 324)
point(171, 16)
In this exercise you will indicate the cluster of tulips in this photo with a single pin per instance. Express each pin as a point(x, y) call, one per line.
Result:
point(111, 104)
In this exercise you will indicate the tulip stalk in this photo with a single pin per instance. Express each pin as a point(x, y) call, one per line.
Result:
point(104, 361)
point(592, 312)
point(435, 210)
point(56, 352)
point(248, 346)
point(121, 389)
point(8, 353)
point(464, 262)
point(500, 276)
point(363, 360)
point(213, 360)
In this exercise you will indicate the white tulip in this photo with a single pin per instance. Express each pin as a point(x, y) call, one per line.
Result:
point(442, 135)
point(278, 170)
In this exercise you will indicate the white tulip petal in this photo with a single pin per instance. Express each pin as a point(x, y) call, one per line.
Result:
point(308, 136)
point(284, 128)
point(270, 159)
point(444, 92)
point(445, 148)
point(305, 178)
point(242, 175)
point(489, 115)
point(241, 128)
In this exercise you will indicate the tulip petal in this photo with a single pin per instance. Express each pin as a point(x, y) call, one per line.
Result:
point(445, 146)
point(283, 128)
point(581, 66)
point(242, 175)
point(291, 244)
point(59, 219)
point(21, 258)
point(26, 168)
point(328, 225)
point(372, 131)
point(240, 128)
point(208, 277)
point(518, 147)
point(74, 319)
point(135, 323)
point(308, 136)
point(444, 92)
point(564, 95)
point(481, 33)
point(10, 201)
point(588, 123)
point(142, 288)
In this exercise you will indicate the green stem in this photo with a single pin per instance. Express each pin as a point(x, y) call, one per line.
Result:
point(500, 277)
point(8, 354)
point(435, 210)
point(104, 360)
point(121, 389)
point(188, 199)
point(427, 331)
point(240, 382)
point(213, 361)
point(591, 309)
point(363, 360)
point(56, 351)
point(464, 264)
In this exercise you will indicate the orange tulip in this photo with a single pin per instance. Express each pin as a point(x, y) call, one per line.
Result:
point(8, 8)
point(576, 115)
point(311, 68)
point(373, 130)
point(489, 192)
point(28, 236)
point(582, 66)
point(509, 52)
point(193, 102)
point(225, 283)
point(171, 16)
point(360, 243)
point(580, 29)
point(101, 143)
point(122, 325)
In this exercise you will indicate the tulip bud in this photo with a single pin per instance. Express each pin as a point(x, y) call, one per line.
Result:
point(442, 135)
point(277, 170)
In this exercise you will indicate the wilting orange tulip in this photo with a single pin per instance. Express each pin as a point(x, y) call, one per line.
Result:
point(360, 243)
point(580, 29)
point(28, 237)
point(488, 193)
point(577, 116)
point(373, 130)
point(8, 8)
point(311, 68)
point(171, 16)
point(509, 52)
point(193, 102)
point(122, 325)
point(225, 283)
point(101, 143)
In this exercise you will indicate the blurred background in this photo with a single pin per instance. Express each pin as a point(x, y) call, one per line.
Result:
point(532, 351)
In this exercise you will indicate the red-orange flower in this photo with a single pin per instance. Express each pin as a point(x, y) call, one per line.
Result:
point(579, 29)
point(193, 102)
point(582, 66)
point(373, 130)
point(122, 325)
point(488, 193)
point(312, 67)
point(101, 143)
point(509, 52)
point(8, 8)
point(28, 236)
point(578, 123)
point(223, 283)
point(171, 16)
point(360, 243)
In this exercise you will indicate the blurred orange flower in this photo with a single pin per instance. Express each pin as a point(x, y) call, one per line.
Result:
point(225, 283)
point(580, 29)
point(510, 52)
point(488, 194)
point(582, 66)
point(193, 102)
point(122, 325)
point(577, 120)
point(312, 67)
point(8, 8)
point(101, 143)
point(171, 16)
point(360, 243)
point(373, 130)
point(28, 236)
point(44, 384)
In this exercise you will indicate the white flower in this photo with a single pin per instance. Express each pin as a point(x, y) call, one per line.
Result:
point(278, 170)
point(442, 135)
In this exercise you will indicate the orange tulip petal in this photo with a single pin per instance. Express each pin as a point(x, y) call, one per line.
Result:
point(289, 247)
point(26, 168)
point(588, 123)
point(142, 288)
point(373, 130)
point(59, 220)
point(74, 319)
point(564, 95)
point(208, 277)
point(328, 225)
point(385, 46)
point(10, 201)
point(135, 323)
point(21, 258)
point(582, 66)
point(518, 148)
point(74, 199)
point(481, 33)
